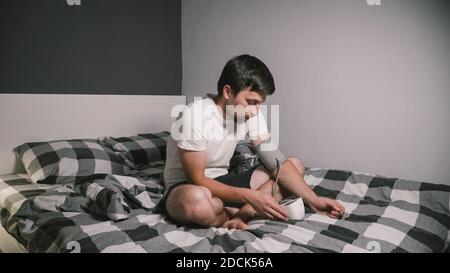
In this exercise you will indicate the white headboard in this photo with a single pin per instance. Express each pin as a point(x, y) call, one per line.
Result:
point(35, 117)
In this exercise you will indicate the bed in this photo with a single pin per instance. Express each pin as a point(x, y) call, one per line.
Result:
point(383, 214)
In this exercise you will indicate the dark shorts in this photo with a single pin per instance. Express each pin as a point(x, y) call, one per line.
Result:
point(241, 180)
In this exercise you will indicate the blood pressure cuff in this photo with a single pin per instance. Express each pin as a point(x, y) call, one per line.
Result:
point(270, 155)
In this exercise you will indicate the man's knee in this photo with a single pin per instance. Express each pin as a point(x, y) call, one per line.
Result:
point(298, 165)
point(189, 204)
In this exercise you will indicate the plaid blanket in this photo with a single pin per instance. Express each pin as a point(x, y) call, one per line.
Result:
point(113, 213)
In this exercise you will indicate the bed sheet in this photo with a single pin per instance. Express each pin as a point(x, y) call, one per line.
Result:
point(382, 215)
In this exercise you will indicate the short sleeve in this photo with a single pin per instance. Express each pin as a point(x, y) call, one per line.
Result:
point(191, 137)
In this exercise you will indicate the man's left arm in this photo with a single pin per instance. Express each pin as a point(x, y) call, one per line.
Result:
point(289, 175)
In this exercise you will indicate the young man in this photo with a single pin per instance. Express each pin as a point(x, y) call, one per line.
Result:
point(199, 191)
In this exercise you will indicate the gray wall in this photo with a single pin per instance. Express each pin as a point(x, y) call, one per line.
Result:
point(363, 88)
point(99, 47)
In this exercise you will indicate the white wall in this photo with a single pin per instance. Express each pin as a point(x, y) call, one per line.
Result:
point(44, 117)
point(363, 88)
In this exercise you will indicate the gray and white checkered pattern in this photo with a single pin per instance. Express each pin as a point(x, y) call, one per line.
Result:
point(141, 149)
point(244, 158)
point(65, 161)
point(382, 215)
point(114, 196)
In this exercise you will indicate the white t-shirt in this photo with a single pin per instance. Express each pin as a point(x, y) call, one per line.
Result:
point(204, 128)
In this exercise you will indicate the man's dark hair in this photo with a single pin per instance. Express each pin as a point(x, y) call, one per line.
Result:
point(245, 71)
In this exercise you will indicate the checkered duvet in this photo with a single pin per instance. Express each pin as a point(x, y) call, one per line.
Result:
point(113, 213)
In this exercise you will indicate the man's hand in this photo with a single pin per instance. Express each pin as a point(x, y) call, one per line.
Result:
point(327, 206)
point(265, 205)
point(235, 223)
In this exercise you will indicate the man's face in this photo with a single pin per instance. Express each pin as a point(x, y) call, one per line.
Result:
point(246, 103)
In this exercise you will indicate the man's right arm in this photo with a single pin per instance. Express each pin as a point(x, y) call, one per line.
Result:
point(194, 163)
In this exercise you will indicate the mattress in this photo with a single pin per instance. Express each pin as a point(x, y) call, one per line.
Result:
point(382, 215)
